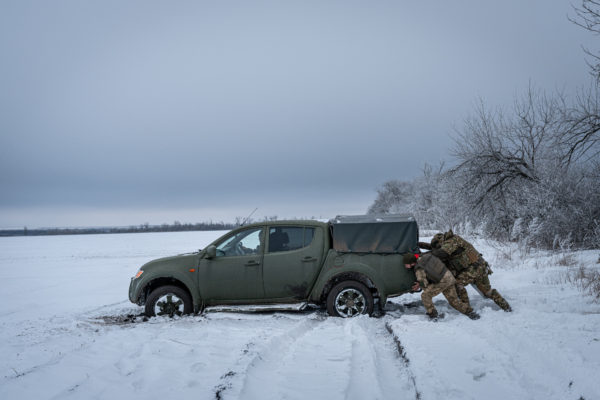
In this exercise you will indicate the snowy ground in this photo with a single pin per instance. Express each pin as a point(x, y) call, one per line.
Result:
point(65, 332)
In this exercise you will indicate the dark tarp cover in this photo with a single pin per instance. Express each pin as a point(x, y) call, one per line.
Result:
point(376, 233)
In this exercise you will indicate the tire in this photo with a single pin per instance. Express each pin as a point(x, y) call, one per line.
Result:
point(348, 299)
point(168, 301)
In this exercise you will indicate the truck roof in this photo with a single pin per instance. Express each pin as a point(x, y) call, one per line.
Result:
point(301, 222)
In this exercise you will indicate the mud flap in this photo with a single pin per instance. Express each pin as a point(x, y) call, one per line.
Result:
point(378, 308)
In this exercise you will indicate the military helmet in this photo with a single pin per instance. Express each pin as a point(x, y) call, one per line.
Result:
point(437, 240)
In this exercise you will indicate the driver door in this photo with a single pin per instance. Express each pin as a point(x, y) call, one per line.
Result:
point(235, 274)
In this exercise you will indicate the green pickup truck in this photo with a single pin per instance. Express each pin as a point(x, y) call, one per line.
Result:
point(350, 265)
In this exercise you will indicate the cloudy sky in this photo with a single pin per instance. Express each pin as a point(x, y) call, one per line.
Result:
point(125, 112)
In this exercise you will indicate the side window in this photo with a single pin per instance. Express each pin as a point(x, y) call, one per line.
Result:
point(287, 238)
point(248, 242)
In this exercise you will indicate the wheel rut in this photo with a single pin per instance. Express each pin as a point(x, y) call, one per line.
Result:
point(376, 360)
point(322, 357)
point(405, 360)
point(259, 358)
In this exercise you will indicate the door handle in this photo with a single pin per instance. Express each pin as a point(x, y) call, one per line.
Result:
point(252, 263)
point(309, 259)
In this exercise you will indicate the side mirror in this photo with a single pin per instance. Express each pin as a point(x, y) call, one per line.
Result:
point(211, 252)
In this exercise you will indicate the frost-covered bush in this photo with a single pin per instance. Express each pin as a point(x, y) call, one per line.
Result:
point(586, 280)
point(431, 198)
point(523, 183)
point(394, 197)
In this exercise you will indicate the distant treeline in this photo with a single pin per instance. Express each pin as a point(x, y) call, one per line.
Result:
point(175, 227)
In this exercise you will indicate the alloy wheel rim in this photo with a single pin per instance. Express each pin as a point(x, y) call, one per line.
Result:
point(169, 304)
point(350, 303)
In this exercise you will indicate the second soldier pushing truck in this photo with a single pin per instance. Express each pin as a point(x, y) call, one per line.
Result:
point(467, 265)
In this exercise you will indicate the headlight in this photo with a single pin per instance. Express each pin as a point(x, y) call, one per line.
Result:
point(139, 273)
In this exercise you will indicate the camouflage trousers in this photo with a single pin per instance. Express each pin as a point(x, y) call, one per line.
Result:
point(478, 275)
point(447, 287)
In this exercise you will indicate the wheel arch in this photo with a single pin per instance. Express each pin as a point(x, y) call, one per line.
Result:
point(349, 276)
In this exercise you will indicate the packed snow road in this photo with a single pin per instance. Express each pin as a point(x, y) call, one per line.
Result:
point(105, 354)
point(67, 331)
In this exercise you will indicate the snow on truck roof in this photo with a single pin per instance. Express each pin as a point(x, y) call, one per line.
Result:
point(376, 233)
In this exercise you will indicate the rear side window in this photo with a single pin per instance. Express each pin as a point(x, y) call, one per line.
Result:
point(287, 238)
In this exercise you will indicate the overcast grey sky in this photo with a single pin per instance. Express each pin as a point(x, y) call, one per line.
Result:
point(125, 112)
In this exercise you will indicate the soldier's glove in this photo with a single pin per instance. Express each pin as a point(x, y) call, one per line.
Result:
point(416, 287)
point(424, 245)
point(441, 254)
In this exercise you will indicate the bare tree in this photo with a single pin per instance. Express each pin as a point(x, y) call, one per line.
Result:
point(510, 172)
point(497, 153)
point(588, 17)
point(579, 136)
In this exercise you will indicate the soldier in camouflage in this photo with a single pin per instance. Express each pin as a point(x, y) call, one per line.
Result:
point(467, 265)
point(434, 278)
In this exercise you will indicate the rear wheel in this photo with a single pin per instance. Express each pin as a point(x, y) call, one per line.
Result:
point(348, 299)
point(168, 301)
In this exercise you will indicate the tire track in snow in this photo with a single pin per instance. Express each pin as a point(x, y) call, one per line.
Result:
point(305, 363)
point(402, 354)
point(233, 382)
point(327, 358)
point(363, 365)
point(377, 370)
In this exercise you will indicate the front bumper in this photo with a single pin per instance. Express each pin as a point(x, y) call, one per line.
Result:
point(135, 292)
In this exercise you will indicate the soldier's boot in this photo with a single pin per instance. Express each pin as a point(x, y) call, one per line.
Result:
point(433, 315)
point(462, 294)
point(471, 314)
point(498, 299)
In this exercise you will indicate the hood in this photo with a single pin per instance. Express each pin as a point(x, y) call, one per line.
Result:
point(189, 260)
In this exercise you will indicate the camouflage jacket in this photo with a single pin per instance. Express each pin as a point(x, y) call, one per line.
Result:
point(462, 253)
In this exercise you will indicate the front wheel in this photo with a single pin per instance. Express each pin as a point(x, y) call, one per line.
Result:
point(348, 299)
point(168, 301)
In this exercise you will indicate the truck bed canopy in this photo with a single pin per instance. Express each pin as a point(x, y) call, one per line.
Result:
point(375, 233)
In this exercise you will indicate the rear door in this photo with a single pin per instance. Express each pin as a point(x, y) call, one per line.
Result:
point(292, 261)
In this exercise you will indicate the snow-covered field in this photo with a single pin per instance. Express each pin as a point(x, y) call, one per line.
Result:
point(65, 333)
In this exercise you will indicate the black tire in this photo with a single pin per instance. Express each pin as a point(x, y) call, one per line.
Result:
point(168, 301)
point(348, 299)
